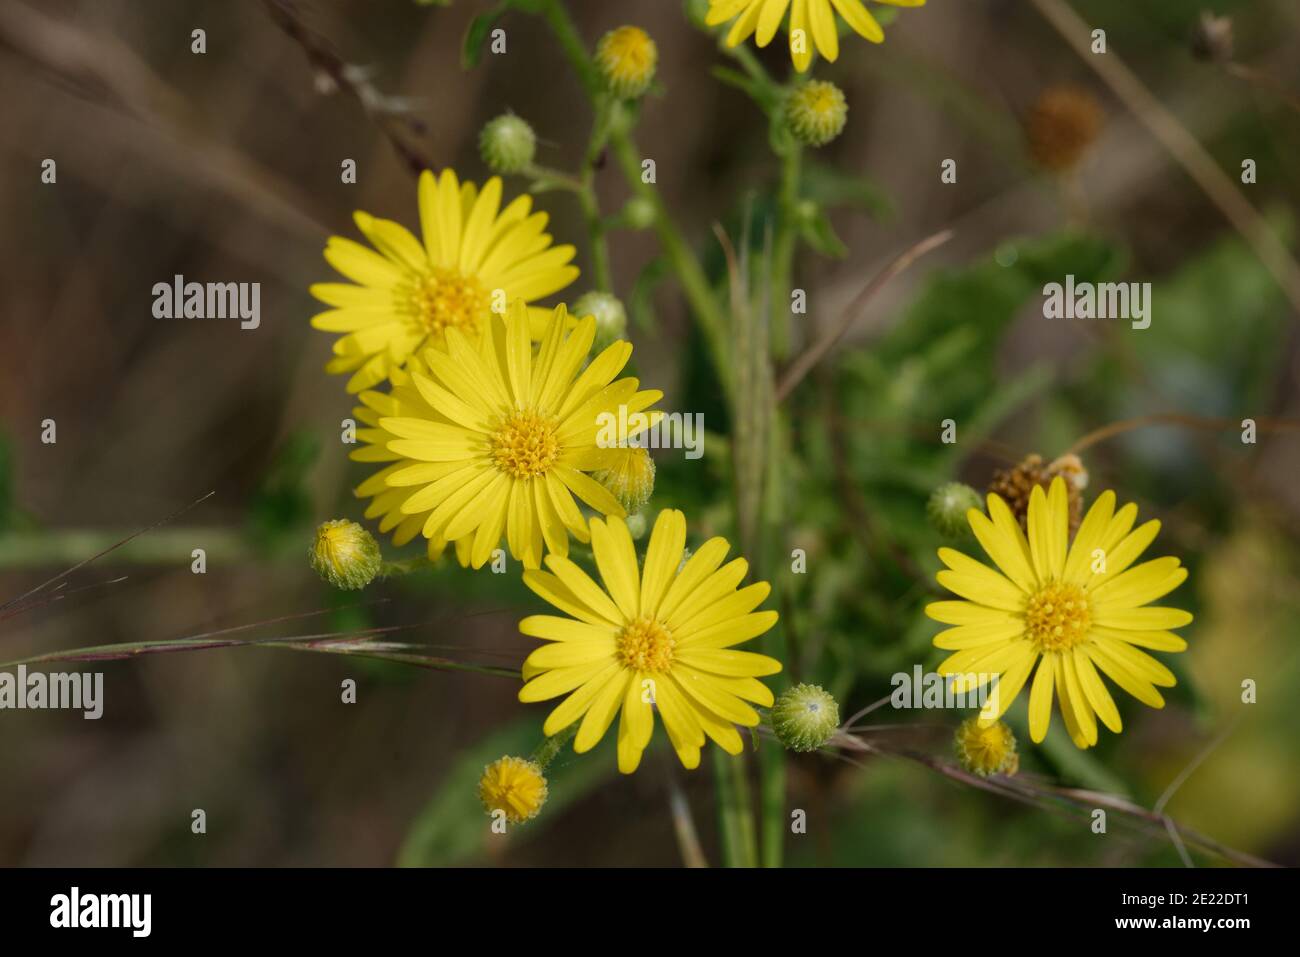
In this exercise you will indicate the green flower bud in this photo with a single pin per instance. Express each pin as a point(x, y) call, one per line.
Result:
point(626, 59)
point(639, 213)
point(611, 318)
point(507, 144)
point(816, 112)
point(345, 555)
point(984, 751)
point(637, 526)
point(630, 479)
point(948, 506)
point(805, 717)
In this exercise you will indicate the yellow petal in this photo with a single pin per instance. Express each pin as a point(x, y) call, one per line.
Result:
point(966, 613)
point(1095, 690)
point(1151, 618)
point(1122, 675)
point(616, 560)
point(600, 715)
point(1040, 699)
point(1078, 563)
point(550, 588)
point(862, 22)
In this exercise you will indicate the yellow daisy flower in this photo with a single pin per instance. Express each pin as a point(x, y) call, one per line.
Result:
point(812, 23)
point(473, 255)
point(387, 501)
point(661, 639)
point(492, 439)
point(1073, 611)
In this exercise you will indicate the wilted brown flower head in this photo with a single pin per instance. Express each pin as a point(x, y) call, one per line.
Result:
point(1016, 484)
point(1063, 122)
point(1212, 38)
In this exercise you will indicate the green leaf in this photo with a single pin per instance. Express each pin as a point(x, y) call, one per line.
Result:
point(479, 28)
point(820, 235)
point(833, 188)
point(767, 97)
point(282, 505)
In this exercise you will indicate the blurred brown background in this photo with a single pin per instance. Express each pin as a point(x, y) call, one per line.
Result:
point(225, 167)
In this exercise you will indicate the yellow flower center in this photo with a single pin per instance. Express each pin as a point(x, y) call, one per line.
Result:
point(646, 645)
point(525, 446)
point(443, 299)
point(1057, 617)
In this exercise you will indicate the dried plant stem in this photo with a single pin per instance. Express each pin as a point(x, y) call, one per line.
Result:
point(1026, 791)
point(815, 353)
point(1181, 145)
point(1205, 423)
point(1264, 81)
point(688, 838)
point(333, 72)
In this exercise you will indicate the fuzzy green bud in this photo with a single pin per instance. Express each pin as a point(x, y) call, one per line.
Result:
point(805, 717)
point(816, 112)
point(611, 318)
point(639, 213)
point(637, 526)
point(630, 478)
point(507, 144)
point(345, 555)
point(948, 506)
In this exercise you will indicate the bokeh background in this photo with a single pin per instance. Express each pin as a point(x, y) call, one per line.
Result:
point(225, 167)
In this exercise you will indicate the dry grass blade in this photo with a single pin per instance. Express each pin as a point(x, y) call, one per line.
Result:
point(86, 561)
point(807, 360)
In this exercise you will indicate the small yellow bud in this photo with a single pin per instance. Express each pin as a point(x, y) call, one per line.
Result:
point(515, 786)
point(984, 751)
point(626, 59)
point(345, 555)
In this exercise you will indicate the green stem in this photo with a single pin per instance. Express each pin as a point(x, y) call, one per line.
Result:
point(735, 819)
point(549, 749)
point(163, 546)
point(695, 284)
point(562, 25)
point(589, 200)
point(783, 250)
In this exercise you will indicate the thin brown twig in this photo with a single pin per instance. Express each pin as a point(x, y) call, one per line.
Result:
point(1263, 80)
point(817, 351)
point(86, 561)
point(333, 72)
point(1206, 423)
point(688, 838)
point(1036, 794)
